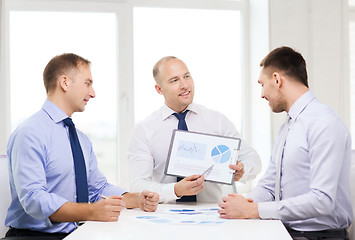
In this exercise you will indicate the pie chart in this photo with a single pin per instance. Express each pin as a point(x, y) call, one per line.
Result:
point(221, 154)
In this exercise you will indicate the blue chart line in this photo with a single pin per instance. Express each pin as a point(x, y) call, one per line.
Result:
point(221, 154)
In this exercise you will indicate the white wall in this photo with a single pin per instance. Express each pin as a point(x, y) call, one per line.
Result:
point(4, 90)
point(319, 30)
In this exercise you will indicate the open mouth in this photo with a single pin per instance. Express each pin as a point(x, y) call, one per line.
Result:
point(184, 93)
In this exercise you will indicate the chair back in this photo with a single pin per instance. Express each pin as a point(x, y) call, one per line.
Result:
point(352, 191)
point(5, 196)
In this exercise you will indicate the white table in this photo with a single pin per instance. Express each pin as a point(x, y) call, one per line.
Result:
point(128, 227)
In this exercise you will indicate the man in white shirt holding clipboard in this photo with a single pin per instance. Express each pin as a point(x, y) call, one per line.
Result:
point(149, 145)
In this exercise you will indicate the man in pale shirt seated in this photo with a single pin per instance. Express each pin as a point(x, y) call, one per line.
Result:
point(150, 139)
point(306, 184)
point(49, 197)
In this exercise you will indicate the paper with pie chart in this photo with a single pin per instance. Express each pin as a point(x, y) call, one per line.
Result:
point(193, 153)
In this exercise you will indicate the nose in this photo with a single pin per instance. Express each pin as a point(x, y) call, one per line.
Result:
point(262, 93)
point(92, 93)
point(183, 83)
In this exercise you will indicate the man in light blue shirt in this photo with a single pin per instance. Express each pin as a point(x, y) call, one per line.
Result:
point(42, 177)
point(312, 195)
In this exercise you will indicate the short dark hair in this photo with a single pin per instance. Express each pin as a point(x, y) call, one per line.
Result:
point(59, 65)
point(287, 60)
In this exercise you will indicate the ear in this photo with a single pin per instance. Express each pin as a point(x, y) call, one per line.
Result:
point(158, 89)
point(64, 83)
point(277, 79)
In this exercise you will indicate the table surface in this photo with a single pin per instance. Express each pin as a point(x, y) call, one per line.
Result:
point(136, 224)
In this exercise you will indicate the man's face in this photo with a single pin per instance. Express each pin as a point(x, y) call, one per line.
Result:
point(270, 91)
point(175, 84)
point(80, 88)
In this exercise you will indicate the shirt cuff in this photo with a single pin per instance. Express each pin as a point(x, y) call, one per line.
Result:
point(51, 204)
point(268, 210)
point(168, 193)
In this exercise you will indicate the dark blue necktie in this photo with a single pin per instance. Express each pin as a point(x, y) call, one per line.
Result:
point(182, 126)
point(82, 194)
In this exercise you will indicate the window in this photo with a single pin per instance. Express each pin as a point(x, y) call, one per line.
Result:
point(123, 40)
point(352, 67)
point(36, 37)
point(207, 40)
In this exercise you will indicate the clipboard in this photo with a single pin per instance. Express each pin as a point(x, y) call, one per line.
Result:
point(193, 152)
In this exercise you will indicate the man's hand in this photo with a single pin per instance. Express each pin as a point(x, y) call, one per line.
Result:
point(148, 201)
point(107, 210)
point(239, 170)
point(190, 185)
point(237, 206)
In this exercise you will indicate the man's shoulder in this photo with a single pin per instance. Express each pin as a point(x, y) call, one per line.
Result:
point(152, 118)
point(207, 112)
point(320, 115)
point(37, 124)
point(320, 112)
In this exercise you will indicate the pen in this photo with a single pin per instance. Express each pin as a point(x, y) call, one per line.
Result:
point(103, 197)
point(207, 171)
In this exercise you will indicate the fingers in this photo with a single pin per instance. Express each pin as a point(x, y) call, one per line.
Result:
point(222, 210)
point(239, 170)
point(237, 167)
point(108, 209)
point(192, 177)
point(115, 200)
point(149, 201)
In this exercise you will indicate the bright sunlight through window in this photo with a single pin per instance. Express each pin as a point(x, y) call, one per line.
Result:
point(208, 41)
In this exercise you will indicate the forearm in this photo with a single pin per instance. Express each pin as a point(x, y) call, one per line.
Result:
point(165, 190)
point(305, 206)
point(130, 200)
point(72, 212)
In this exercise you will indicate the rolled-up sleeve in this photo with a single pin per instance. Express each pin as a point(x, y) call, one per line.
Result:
point(28, 170)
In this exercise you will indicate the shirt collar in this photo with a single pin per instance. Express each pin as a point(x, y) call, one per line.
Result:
point(300, 104)
point(53, 111)
point(166, 111)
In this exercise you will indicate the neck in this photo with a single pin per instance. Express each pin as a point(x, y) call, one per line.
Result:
point(60, 102)
point(294, 94)
point(177, 109)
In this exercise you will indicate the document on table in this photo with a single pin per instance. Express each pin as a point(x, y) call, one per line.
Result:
point(186, 215)
point(193, 153)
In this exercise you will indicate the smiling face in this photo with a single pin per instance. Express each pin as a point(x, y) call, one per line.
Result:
point(175, 84)
point(80, 88)
point(270, 90)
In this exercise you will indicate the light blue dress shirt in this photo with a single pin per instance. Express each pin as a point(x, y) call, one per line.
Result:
point(42, 174)
point(315, 191)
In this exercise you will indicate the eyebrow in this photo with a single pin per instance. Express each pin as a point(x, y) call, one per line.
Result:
point(172, 78)
point(187, 73)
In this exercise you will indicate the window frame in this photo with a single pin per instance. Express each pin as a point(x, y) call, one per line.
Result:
point(125, 100)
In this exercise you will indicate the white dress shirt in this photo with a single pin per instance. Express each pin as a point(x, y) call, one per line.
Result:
point(315, 191)
point(149, 145)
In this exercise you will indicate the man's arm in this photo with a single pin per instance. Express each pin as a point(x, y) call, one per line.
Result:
point(324, 155)
point(237, 206)
point(141, 165)
point(249, 164)
point(106, 210)
point(146, 200)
